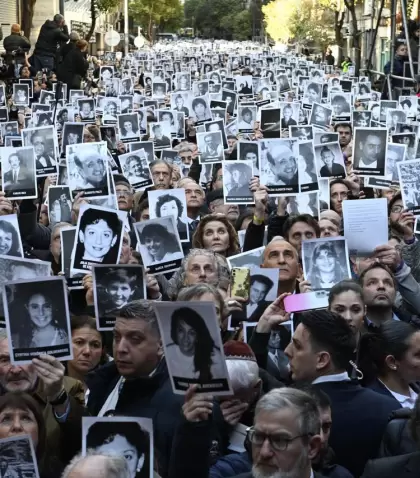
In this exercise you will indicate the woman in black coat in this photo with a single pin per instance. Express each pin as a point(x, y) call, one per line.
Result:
point(74, 66)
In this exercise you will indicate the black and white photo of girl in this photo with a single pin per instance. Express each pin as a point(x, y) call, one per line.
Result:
point(159, 244)
point(193, 346)
point(127, 437)
point(37, 319)
point(325, 262)
point(129, 127)
point(98, 238)
point(10, 240)
point(114, 287)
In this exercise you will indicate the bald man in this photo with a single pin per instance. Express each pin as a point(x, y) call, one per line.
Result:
point(16, 42)
point(97, 465)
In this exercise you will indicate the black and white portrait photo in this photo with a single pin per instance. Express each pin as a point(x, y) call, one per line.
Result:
point(369, 151)
point(109, 135)
point(340, 103)
point(86, 109)
point(217, 125)
point(182, 82)
point(308, 179)
point(302, 133)
point(246, 118)
point(37, 319)
point(18, 457)
point(99, 237)
point(87, 165)
point(409, 174)
point(159, 244)
point(279, 169)
point(18, 172)
point(72, 134)
point(181, 102)
point(127, 437)
point(59, 204)
point(250, 259)
point(147, 146)
point(126, 87)
point(44, 141)
point(200, 110)
point(126, 103)
point(361, 119)
point(325, 262)
point(21, 94)
point(330, 161)
point(112, 87)
point(249, 151)
point(210, 147)
point(159, 89)
point(161, 135)
point(46, 97)
point(74, 95)
point(111, 110)
point(10, 240)
point(129, 127)
point(106, 73)
point(135, 168)
point(303, 203)
point(289, 115)
point(113, 288)
point(262, 292)
point(320, 116)
point(229, 97)
point(236, 179)
point(283, 83)
point(2, 95)
point(395, 153)
point(67, 240)
point(393, 117)
point(312, 94)
point(173, 202)
point(193, 346)
point(386, 105)
point(9, 128)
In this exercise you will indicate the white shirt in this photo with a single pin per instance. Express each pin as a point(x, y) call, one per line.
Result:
point(363, 165)
point(181, 366)
point(15, 174)
point(336, 377)
point(406, 402)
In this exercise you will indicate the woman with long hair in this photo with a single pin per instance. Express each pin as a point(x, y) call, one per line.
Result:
point(158, 244)
point(325, 270)
point(193, 351)
point(9, 240)
point(215, 232)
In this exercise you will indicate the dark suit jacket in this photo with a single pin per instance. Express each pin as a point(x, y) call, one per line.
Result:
point(49, 161)
point(23, 180)
point(258, 312)
point(404, 466)
point(337, 170)
point(286, 124)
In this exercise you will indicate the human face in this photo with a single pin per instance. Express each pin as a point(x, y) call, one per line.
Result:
point(137, 348)
point(87, 349)
point(396, 210)
point(372, 149)
point(282, 255)
point(320, 115)
point(40, 311)
point(287, 113)
point(86, 109)
point(402, 50)
point(338, 194)
point(128, 126)
point(312, 95)
point(15, 378)
point(350, 306)
point(186, 157)
point(285, 167)
point(135, 168)
point(199, 109)
point(186, 338)
point(112, 109)
point(38, 144)
point(15, 422)
point(179, 102)
point(120, 293)
point(328, 158)
point(200, 269)
point(378, 288)
point(14, 162)
point(231, 211)
point(257, 292)
point(409, 365)
point(194, 195)
point(106, 75)
point(302, 359)
point(325, 261)
point(124, 197)
point(121, 447)
point(93, 169)
point(6, 241)
point(154, 246)
point(169, 209)
point(300, 232)
point(98, 239)
point(269, 463)
point(216, 237)
point(161, 176)
point(145, 215)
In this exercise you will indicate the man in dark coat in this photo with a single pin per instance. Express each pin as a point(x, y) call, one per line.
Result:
point(52, 35)
point(16, 46)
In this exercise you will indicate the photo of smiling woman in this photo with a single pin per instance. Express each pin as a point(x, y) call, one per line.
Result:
point(193, 345)
point(98, 237)
point(10, 240)
point(37, 318)
point(325, 262)
point(160, 247)
point(129, 438)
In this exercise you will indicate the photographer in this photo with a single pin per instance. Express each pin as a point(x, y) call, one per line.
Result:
point(16, 46)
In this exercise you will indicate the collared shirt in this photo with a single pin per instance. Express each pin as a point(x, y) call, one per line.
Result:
point(363, 165)
point(335, 377)
point(369, 323)
point(406, 402)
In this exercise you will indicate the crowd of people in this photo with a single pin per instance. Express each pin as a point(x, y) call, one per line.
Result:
point(210, 266)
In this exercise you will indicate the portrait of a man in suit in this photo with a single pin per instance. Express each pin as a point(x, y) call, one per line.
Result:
point(18, 177)
point(43, 159)
point(260, 287)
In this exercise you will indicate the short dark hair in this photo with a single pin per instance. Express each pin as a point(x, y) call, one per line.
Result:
point(140, 310)
point(332, 333)
point(168, 198)
point(294, 219)
point(377, 265)
point(263, 280)
point(343, 125)
point(345, 286)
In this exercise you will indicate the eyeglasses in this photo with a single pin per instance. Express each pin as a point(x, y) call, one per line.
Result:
point(278, 443)
point(397, 209)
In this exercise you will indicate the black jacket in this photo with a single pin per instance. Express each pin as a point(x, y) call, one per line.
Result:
point(398, 439)
point(15, 41)
point(405, 466)
point(73, 68)
point(148, 397)
point(250, 475)
point(50, 36)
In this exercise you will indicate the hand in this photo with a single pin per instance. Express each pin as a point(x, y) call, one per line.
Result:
point(261, 200)
point(275, 314)
point(388, 255)
point(197, 406)
point(305, 286)
point(78, 201)
point(281, 206)
point(233, 304)
point(87, 283)
point(152, 286)
point(407, 221)
point(353, 182)
point(51, 372)
point(254, 183)
point(6, 206)
point(232, 411)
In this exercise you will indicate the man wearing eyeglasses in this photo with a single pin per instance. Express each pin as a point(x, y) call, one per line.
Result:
point(43, 159)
